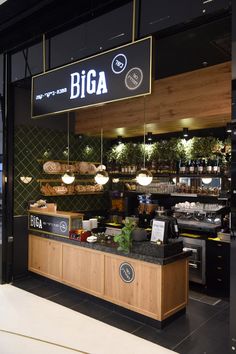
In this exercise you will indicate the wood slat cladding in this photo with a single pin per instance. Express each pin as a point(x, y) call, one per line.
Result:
point(198, 99)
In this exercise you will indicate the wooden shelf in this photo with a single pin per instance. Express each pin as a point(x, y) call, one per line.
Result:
point(186, 195)
point(67, 194)
point(48, 180)
point(65, 161)
point(158, 175)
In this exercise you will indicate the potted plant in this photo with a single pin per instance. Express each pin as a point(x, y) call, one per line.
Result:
point(124, 239)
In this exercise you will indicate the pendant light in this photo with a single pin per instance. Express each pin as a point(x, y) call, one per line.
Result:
point(101, 176)
point(144, 177)
point(68, 176)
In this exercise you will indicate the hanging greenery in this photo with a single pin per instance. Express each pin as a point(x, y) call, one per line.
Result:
point(205, 147)
point(126, 154)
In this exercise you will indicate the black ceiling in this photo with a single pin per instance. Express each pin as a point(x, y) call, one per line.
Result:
point(22, 20)
point(182, 49)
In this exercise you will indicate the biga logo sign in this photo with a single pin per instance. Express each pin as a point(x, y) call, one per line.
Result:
point(87, 84)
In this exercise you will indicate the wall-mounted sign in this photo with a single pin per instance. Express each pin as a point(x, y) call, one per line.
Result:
point(127, 273)
point(117, 74)
point(49, 224)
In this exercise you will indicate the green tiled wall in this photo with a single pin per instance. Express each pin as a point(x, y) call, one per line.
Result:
point(31, 143)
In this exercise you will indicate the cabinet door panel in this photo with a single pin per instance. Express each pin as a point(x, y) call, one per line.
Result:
point(38, 254)
point(83, 269)
point(55, 259)
point(142, 294)
point(45, 257)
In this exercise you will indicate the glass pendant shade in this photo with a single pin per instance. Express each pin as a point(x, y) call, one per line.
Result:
point(144, 177)
point(68, 177)
point(101, 177)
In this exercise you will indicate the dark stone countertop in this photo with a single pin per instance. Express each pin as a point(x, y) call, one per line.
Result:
point(112, 248)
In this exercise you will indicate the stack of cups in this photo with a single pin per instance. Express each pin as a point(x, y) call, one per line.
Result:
point(90, 224)
point(86, 225)
point(93, 223)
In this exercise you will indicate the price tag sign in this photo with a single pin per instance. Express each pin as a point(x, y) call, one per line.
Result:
point(158, 230)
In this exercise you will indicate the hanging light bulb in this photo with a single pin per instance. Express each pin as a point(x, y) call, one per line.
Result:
point(68, 176)
point(144, 177)
point(101, 176)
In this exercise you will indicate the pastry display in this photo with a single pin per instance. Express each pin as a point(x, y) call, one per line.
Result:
point(52, 167)
point(60, 189)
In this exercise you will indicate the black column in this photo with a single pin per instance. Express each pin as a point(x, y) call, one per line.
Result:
point(8, 153)
point(233, 192)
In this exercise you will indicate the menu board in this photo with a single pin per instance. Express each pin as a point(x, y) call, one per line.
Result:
point(158, 231)
point(51, 224)
point(117, 74)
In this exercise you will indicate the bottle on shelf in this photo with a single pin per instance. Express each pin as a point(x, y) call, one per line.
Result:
point(215, 166)
point(182, 167)
point(204, 166)
point(219, 166)
point(209, 166)
point(200, 167)
point(191, 166)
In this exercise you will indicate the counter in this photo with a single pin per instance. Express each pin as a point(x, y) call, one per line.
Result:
point(151, 286)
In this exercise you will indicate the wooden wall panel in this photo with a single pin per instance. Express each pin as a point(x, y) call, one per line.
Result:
point(197, 99)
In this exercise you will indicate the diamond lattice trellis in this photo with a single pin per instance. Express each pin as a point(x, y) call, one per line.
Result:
point(31, 143)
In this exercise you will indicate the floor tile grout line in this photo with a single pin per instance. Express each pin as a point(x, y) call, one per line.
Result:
point(49, 297)
point(137, 329)
point(43, 341)
point(195, 330)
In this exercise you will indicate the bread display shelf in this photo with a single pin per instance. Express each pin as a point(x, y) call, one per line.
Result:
point(47, 180)
point(57, 188)
point(77, 193)
point(65, 161)
point(61, 166)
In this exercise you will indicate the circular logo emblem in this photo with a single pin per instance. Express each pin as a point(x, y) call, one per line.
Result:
point(127, 273)
point(133, 78)
point(63, 226)
point(119, 63)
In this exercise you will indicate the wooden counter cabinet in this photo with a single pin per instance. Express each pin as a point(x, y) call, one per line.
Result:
point(154, 290)
point(83, 269)
point(45, 257)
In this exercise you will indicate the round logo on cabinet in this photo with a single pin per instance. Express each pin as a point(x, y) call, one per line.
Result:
point(127, 273)
point(63, 226)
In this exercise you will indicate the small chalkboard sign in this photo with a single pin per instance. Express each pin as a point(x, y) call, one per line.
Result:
point(127, 273)
point(51, 224)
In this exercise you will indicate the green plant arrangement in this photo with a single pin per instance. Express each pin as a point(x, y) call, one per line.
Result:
point(124, 239)
point(125, 154)
point(204, 147)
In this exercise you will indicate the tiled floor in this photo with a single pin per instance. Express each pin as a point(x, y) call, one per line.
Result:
point(204, 329)
point(30, 324)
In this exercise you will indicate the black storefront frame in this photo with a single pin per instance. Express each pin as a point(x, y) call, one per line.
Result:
point(8, 168)
point(8, 191)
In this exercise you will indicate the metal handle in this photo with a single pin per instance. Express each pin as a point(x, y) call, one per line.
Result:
point(219, 279)
point(219, 244)
point(193, 265)
point(185, 249)
point(219, 256)
point(219, 268)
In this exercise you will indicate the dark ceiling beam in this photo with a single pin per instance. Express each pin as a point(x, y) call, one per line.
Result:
point(51, 16)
